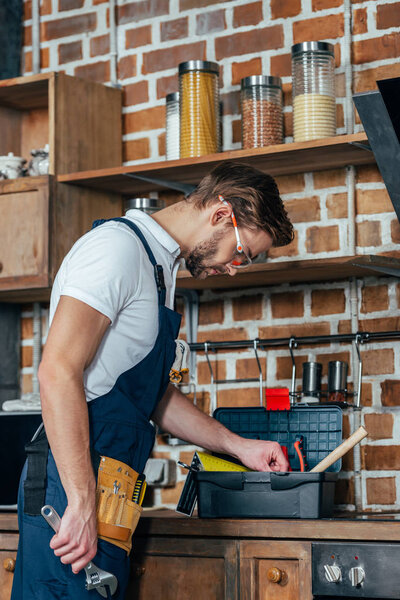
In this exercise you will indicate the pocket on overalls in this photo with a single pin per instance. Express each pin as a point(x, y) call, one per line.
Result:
point(117, 514)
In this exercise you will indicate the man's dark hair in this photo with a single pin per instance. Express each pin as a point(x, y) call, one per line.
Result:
point(254, 197)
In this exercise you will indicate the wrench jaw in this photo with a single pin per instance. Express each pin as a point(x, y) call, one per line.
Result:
point(97, 579)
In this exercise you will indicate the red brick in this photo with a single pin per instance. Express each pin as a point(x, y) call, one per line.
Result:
point(327, 302)
point(388, 15)
point(174, 30)
point(248, 367)
point(70, 4)
point(127, 67)
point(284, 367)
point(360, 21)
point(99, 71)
point(289, 250)
point(140, 36)
point(247, 14)
point(325, 4)
point(344, 491)
point(390, 392)
point(368, 233)
point(203, 371)
point(239, 397)
point(336, 205)
point(285, 305)
point(303, 210)
point(281, 65)
point(322, 239)
point(210, 22)
point(381, 324)
point(378, 362)
point(369, 202)
point(230, 103)
point(288, 8)
point(381, 490)
point(136, 93)
point(161, 144)
point(26, 356)
point(27, 386)
point(381, 458)
point(144, 9)
point(188, 4)
point(299, 330)
point(366, 394)
point(287, 124)
point(374, 298)
point(245, 69)
point(387, 46)
point(69, 52)
point(27, 328)
point(331, 178)
point(247, 307)
point(172, 495)
point(366, 80)
point(329, 27)
point(379, 426)
point(368, 173)
point(236, 131)
point(27, 35)
point(169, 58)
point(44, 60)
point(136, 149)
point(221, 335)
point(145, 120)
point(52, 30)
point(167, 85)
point(256, 40)
point(289, 184)
point(395, 231)
point(211, 312)
point(94, 2)
point(100, 45)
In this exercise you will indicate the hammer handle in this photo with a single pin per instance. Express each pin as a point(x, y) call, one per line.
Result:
point(338, 452)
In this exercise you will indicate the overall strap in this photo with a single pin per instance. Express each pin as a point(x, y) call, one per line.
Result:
point(158, 270)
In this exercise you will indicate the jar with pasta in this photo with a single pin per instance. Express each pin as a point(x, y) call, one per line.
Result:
point(261, 103)
point(199, 108)
point(313, 72)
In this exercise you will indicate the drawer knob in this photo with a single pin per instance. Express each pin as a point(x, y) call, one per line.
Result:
point(9, 564)
point(138, 570)
point(275, 575)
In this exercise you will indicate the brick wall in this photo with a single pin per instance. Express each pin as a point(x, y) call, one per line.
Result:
point(248, 38)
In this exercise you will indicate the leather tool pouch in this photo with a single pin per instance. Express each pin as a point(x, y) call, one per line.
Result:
point(117, 514)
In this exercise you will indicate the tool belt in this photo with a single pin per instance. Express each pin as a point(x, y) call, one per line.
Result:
point(119, 495)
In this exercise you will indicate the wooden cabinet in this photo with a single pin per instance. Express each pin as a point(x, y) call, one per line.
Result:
point(8, 554)
point(40, 219)
point(275, 570)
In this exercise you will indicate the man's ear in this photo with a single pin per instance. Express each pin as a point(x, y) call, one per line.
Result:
point(219, 213)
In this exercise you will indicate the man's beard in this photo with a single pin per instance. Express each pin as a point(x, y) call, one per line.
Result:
point(203, 252)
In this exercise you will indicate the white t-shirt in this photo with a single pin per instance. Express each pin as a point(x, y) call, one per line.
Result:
point(109, 269)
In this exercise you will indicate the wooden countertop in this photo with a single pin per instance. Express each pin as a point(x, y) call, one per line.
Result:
point(169, 523)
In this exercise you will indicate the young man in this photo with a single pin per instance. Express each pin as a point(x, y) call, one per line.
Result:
point(105, 370)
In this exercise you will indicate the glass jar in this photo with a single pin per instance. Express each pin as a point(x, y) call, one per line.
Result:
point(261, 103)
point(313, 73)
point(147, 205)
point(199, 108)
point(172, 126)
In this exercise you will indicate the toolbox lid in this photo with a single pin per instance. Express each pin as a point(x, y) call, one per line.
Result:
point(320, 426)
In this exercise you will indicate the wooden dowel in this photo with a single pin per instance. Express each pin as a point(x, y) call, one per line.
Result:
point(341, 450)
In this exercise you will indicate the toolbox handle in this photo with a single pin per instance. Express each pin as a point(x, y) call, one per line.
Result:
point(287, 481)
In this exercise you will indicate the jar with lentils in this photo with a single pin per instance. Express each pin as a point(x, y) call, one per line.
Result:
point(261, 103)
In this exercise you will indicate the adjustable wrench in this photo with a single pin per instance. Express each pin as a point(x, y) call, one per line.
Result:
point(96, 579)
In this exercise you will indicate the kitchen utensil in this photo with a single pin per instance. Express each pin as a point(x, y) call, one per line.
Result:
point(11, 167)
point(147, 205)
point(96, 579)
point(312, 372)
point(337, 380)
point(341, 450)
point(39, 163)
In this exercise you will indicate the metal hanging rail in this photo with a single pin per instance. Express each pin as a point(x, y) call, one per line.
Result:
point(360, 337)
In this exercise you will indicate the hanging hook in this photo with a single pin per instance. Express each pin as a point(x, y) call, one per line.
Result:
point(208, 362)
point(255, 345)
point(293, 344)
point(359, 339)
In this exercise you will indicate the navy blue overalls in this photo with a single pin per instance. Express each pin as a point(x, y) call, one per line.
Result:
point(120, 429)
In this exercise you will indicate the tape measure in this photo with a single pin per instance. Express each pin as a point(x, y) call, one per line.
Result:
point(212, 463)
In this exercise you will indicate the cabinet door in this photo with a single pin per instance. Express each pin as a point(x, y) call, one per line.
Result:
point(183, 569)
point(275, 570)
point(8, 555)
point(24, 233)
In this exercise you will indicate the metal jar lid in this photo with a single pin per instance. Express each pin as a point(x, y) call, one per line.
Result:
point(174, 97)
point(265, 80)
point(198, 65)
point(145, 204)
point(320, 47)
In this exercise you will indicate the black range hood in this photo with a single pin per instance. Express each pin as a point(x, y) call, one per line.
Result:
point(379, 111)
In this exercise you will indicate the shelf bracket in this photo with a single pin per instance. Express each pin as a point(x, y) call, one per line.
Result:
point(185, 188)
point(362, 145)
point(292, 394)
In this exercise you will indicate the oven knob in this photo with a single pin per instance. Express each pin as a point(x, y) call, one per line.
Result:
point(357, 576)
point(333, 574)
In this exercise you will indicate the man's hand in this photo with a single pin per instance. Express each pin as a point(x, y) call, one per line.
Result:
point(261, 455)
point(76, 541)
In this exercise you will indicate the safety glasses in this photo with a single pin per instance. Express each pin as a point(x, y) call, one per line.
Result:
point(240, 258)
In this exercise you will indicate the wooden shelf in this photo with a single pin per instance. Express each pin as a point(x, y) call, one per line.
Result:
point(275, 273)
point(282, 159)
point(26, 93)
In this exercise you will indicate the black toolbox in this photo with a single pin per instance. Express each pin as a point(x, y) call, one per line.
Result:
point(276, 495)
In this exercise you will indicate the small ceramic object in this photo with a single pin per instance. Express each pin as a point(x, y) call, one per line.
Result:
point(39, 164)
point(11, 166)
